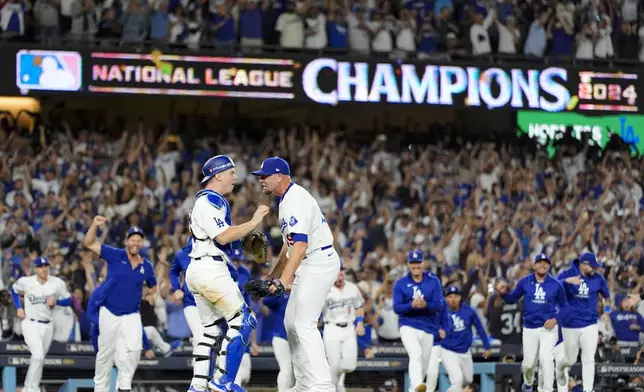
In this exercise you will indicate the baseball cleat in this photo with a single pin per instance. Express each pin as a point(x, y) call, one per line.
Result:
point(194, 389)
point(217, 387)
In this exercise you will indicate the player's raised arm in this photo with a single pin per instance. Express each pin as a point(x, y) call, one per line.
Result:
point(514, 296)
point(91, 241)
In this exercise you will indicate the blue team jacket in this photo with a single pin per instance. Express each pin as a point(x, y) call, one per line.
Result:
point(406, 289)
point(542, 301)
point(460, 338)
point(582, 299)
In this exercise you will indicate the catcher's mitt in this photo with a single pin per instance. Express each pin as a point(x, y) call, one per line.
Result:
point(256, 244)
point(262, 288)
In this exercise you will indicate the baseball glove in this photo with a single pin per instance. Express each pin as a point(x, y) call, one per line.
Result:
point(262, 288)
point(255, 243)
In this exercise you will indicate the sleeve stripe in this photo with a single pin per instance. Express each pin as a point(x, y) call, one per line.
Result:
point(297, 237)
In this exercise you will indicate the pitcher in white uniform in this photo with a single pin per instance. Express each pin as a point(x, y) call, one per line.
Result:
point(308, 265)
point(42, 294)
point(342, 309)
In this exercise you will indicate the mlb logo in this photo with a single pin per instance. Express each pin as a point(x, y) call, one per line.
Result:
point(45, 70)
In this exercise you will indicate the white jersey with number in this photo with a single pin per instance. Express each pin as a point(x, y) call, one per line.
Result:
point(341, 304)
point(36, 295)
point(301, 219)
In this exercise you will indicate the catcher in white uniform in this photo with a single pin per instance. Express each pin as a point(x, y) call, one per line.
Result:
point(307, 265)
point(342, 308)
point(217, 295)
point(41, 292)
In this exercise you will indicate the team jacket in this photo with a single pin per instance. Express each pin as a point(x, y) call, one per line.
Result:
point(542, 301)
point(582, 299)
point(460, 338)
point(406, 289)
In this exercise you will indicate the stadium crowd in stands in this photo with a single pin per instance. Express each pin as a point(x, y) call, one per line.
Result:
point(583, 29)
point(478, 210)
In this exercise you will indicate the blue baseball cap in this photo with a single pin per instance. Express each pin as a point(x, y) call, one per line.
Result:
point(237, 254)
point(134, 230)
point(41, 262)
point(274, 165)
point(452, 290)
point(216, 165)
point(542, 257)
point(415, 256)
point(590, 259)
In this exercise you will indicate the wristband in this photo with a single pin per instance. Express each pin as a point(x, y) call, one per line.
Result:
point(359, 319)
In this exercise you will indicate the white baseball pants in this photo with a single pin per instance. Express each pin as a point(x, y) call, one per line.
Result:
point(217, 296)
point(156, 339)
point(243, 374)
point(341, 344)
point(559, 354)
point(38, 338)
point(538, 344)
point(459, 368)
point(196, 328)
point(124, 331)
point(285, 378)
point(433, 368)
point(313, 280)
point(418, 345)
point(586, 340)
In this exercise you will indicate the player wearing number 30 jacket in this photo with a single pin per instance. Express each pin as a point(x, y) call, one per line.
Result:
point(543, 297)
point(418, 298)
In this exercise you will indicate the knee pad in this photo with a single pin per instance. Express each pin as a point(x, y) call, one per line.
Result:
point(240, 327)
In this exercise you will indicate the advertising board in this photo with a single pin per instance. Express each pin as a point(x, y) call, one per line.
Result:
point(326, 80)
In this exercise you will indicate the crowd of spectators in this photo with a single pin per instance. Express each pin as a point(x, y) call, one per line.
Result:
point(584, 29)
point(479, 210)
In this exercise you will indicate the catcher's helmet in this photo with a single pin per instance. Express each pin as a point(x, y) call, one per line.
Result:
point(214, 165)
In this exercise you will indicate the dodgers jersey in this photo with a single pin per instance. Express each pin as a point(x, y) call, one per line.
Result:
point(36, 295)
point(582, 299)
point(460, 338)
point(406, 289)
point(341, 304)
point(301, 220)
point(210, 217)
point(542, 301)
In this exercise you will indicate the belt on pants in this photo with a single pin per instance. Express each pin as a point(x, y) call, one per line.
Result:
point(217, 258)
point(341, 325)
point(39, 321)
point(322, 248)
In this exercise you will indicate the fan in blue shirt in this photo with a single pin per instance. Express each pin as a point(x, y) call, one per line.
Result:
point(418, 298)
point(455, 348)
point(579, 324)
point(626, 322)
point(543, 297)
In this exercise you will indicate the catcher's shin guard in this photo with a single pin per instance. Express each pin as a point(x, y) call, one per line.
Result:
point(209, 342)
point(240, 328)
